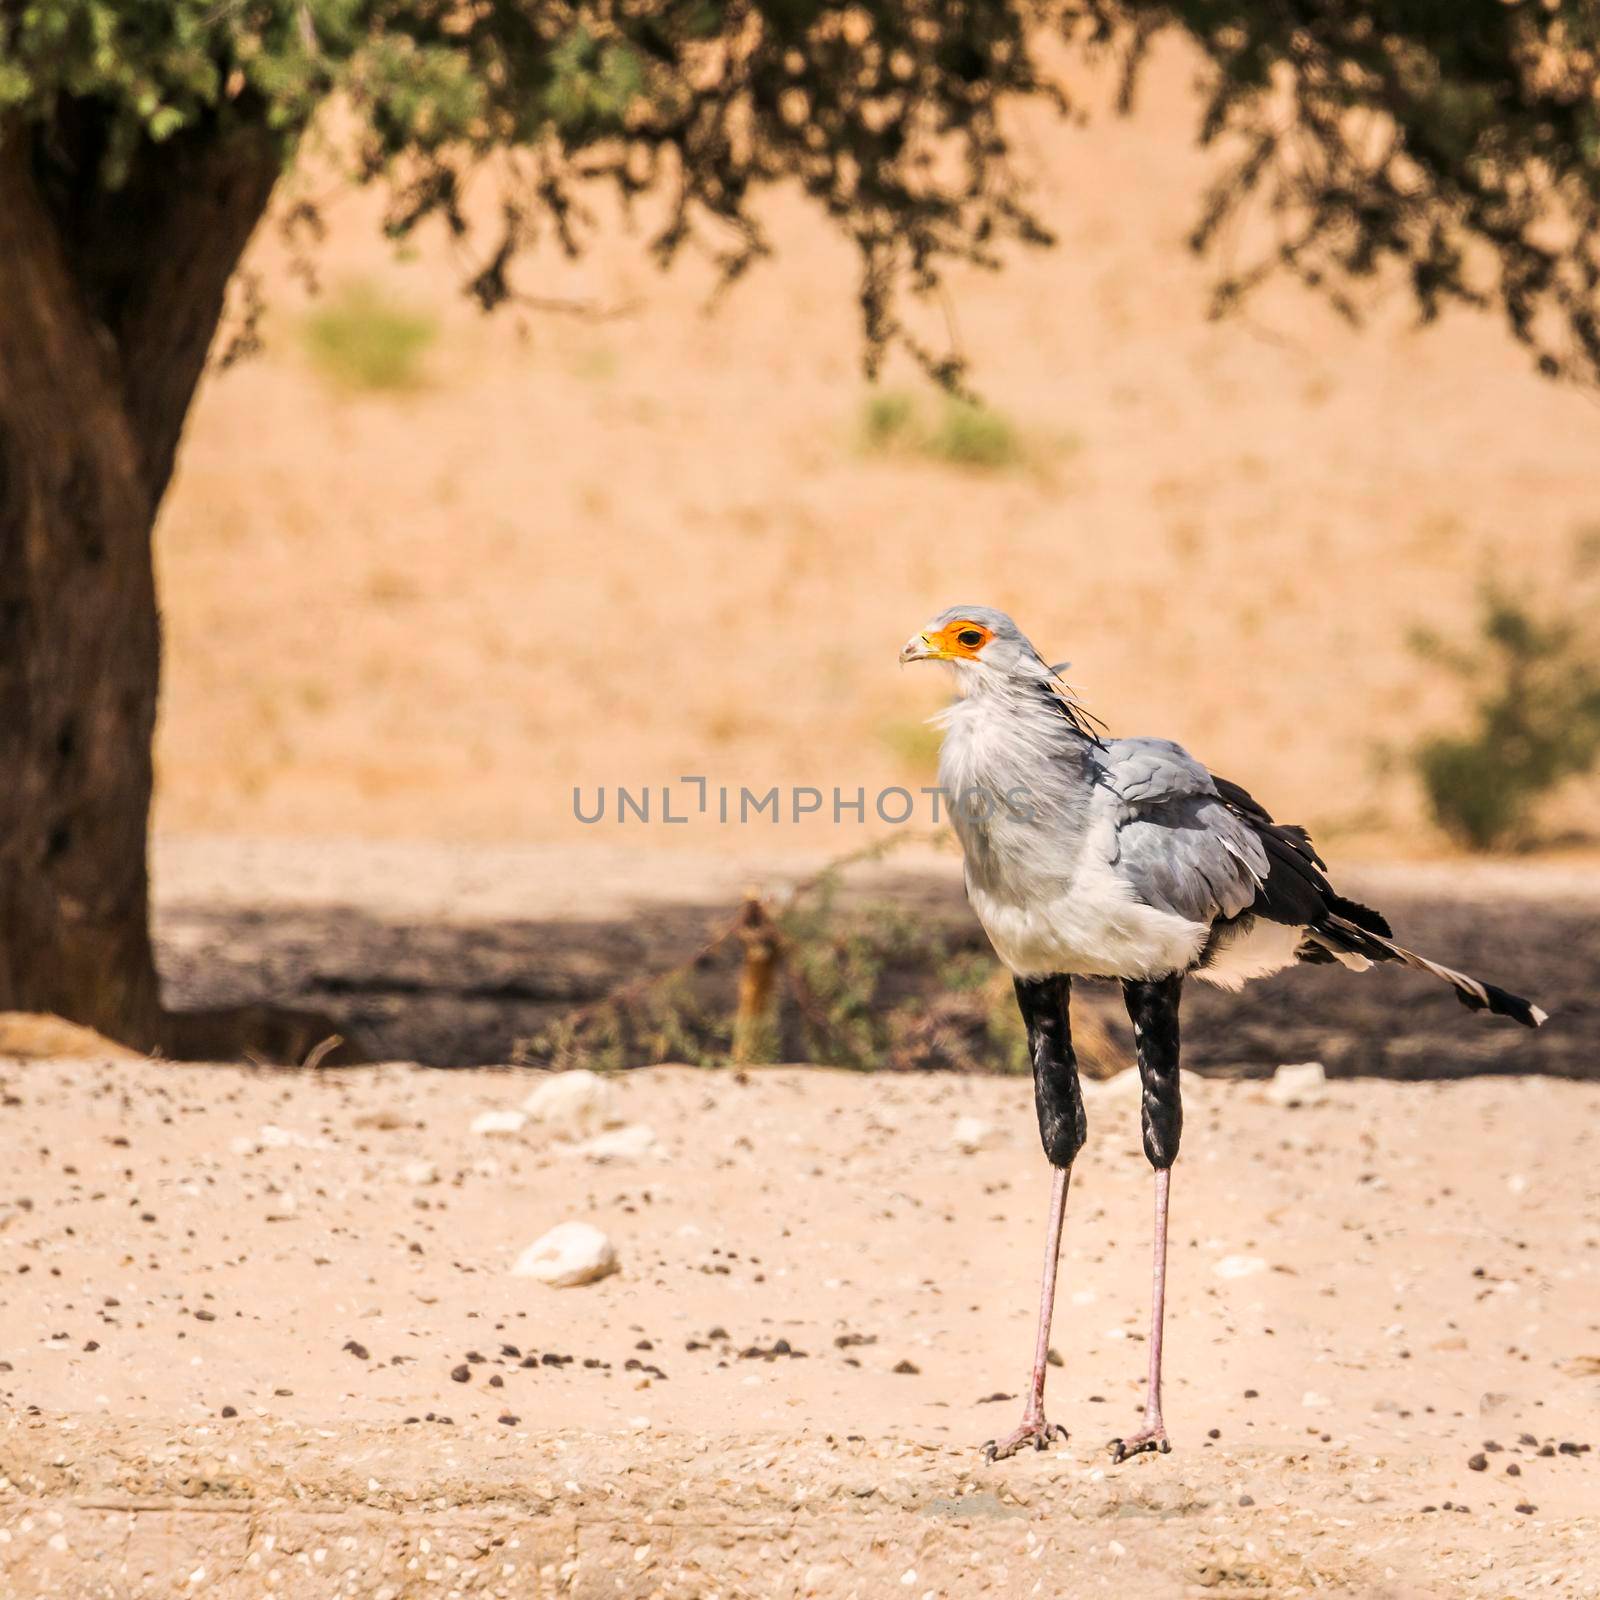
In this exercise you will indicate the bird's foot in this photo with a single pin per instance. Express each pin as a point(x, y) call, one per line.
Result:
point(1033, 1430)
point(1153, 1436)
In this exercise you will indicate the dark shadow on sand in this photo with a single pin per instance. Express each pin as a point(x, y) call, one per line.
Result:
point(450, 994)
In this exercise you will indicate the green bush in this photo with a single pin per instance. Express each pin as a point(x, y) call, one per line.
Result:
point(1535, 719)
point(888, 419)
point(972, 435)
point(913, 744)
point(963, 433)
point(360, 339)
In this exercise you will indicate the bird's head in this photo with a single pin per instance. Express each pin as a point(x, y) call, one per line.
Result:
point(984, 646)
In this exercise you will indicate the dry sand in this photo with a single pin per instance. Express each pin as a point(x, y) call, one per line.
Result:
point(220, 1339)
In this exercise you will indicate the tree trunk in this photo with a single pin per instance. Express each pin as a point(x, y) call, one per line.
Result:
point(106, 314)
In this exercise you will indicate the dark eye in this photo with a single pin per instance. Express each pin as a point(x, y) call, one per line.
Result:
point(970, 637)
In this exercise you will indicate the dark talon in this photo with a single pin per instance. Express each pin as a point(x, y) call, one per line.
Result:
point(1126, 1449)
point(1040, 1434)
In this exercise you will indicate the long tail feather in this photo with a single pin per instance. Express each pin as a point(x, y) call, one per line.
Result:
point(1473, 993)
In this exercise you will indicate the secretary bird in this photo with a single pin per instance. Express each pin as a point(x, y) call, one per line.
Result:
point(1122, 858)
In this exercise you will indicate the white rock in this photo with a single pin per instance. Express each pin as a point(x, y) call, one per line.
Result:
point(271, 1137)
point(499, 1124)
point(1239, 1266)
point(1313, 1400)
point(1117, 1086)
point(419, 1173)
point(1127, 1085)
point(1301, 1083)
point(972, 1134)
point(620, 1144)
point(571, 1253)
point(573, 1105)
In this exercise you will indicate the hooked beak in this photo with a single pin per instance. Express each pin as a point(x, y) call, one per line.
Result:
point(919, 647)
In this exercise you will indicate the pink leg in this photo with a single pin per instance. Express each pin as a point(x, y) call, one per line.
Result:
point(1153, 1435)
point(1034, 1429)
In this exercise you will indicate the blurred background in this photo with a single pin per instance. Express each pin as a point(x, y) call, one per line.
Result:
point(423, 571)
point(430, 579)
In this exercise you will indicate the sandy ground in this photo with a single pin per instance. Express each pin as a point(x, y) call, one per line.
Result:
point(602, 553)
point(239, 1298)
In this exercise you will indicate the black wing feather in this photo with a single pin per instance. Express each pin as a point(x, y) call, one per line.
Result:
point(1296, 891)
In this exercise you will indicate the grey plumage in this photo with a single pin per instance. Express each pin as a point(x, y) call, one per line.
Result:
point(1176, 842)
point(1126, 857)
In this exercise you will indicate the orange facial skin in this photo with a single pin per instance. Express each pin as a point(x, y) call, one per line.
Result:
point(960, 640)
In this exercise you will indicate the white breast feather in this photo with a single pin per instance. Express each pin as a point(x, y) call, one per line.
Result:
point(1093, 927)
